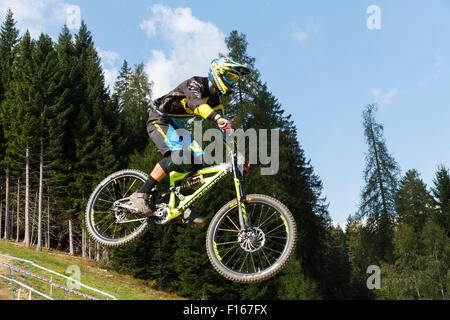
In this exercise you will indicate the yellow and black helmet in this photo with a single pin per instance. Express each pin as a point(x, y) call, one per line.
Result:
point(224, 73)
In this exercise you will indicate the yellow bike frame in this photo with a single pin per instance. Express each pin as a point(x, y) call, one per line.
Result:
point(219, 172)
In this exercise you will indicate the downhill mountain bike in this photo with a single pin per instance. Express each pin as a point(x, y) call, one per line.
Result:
point(250, 239)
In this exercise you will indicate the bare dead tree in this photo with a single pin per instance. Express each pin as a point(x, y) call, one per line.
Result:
point(18, 210)
point(6, 233)
point(27, 199)
point(41, 174)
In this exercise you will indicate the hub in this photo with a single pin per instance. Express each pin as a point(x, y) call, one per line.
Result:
point(253, 240)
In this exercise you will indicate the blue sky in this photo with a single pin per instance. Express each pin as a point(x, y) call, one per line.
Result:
point(318, 58)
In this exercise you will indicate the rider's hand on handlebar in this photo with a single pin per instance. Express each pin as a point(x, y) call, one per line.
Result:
point(224, 125)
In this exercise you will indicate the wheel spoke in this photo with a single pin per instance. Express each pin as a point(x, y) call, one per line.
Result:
point(259, 226)
point(233, 223)
point(130, 187)
point(275, 229)
point(225, 243)
point(276, 237)
point(267, 248)
point(229, 230)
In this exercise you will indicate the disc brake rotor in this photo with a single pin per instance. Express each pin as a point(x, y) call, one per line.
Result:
point(252, 241)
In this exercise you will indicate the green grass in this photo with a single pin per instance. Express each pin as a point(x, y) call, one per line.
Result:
point(92, 275)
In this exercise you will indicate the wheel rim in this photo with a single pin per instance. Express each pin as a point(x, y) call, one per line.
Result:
point(254, 251)
point(109, 221)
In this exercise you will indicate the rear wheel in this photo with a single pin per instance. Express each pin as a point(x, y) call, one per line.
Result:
point(110, 218)
point(257, 254)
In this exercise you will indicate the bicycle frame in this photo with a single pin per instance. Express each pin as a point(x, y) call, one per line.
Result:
point(220, 171)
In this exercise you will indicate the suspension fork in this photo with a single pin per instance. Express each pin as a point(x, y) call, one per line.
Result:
point(239, 184)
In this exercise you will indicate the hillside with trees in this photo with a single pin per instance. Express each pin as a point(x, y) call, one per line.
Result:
point(62, 131)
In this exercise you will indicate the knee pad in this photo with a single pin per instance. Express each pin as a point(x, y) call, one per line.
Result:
point(167, 164)
point(175, 159)
point(172, 160)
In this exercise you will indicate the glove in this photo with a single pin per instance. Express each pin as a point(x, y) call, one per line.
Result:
point(224, 125)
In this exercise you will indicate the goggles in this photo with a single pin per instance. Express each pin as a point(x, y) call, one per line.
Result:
point(230, 78)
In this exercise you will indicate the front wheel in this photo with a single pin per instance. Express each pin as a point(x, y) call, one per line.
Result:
point(257, 254)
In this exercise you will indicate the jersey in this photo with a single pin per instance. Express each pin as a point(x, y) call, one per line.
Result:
point(191, 98)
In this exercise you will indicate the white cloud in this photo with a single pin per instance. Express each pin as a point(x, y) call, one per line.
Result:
point(309, 31)
point(425, 81)
point(438, 60)
point(36, 15)
point(384, 98)
point(192, 43)
point(110, 76)
point(336, 224)
point(108, 57)
point(301, 35)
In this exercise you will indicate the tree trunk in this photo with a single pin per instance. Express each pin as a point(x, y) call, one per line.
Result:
point(33, 221)
point(70, 236)
point(48, 223)
point(6, 237)
point(97, 251)
point(18, 211)
point(60, 238)
point(384, 220)
point(41, 176)
point(90, 249)
point(1, 216)
point(378, 169)
point(105, 257)
point(83, 243)
point(27, 198)
point(1, 208)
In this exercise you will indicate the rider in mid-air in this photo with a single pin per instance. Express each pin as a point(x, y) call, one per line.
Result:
point(197, 96)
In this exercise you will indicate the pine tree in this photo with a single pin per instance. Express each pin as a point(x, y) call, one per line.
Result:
point(136, 108)
point(45, 63)
point(131, 103)
point(359, 248)
point(381, 178)
point(9, 37)
point(441, 193)
point(237, 45)
point(115, 120)
point(413, 202)
point(88, 123)
point(61, 148)
point(121, 86)
point(16, 112)
point(106, 162)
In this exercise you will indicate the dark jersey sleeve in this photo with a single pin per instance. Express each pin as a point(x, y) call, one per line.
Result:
point(195, 102)
point(194, 94)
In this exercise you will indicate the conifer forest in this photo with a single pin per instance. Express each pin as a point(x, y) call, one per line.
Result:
point(62, 131)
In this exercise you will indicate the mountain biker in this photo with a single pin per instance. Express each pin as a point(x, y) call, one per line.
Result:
point(197, 96)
